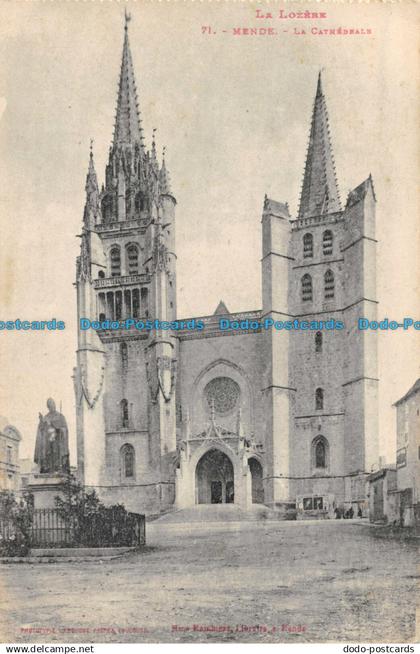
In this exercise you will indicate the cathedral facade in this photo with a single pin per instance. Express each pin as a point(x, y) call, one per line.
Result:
point(170, 418)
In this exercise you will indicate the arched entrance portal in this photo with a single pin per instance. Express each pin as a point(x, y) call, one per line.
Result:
point(256, 481)
point(214, 479)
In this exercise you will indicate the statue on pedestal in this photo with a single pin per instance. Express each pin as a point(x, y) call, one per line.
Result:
point(52, 441)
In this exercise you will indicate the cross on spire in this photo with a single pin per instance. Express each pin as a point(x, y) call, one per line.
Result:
point(127, 18)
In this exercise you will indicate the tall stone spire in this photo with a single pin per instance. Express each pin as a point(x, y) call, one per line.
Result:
point(91, 187)
point(320, 194)
point(90, 217)
point(92, 206)
point(127, 122)
point(164, 179)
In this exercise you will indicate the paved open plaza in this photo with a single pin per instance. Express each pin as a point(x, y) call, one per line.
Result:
point(224, 581)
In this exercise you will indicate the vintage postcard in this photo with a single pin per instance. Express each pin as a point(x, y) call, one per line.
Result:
point(209, 317)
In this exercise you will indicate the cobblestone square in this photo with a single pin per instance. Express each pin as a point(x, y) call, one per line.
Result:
point(224, 582)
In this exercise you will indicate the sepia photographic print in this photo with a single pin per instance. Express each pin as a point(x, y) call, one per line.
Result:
point(209, 317)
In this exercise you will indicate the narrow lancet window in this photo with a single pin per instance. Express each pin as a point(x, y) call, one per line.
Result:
point(320, 453)
point(319, 399)
point(327, 243)
point(115, 259)
point(308, 246)
point(124, 413)
point(128, 461)
point(306, 288)
point(133, 259)
point(329, 286)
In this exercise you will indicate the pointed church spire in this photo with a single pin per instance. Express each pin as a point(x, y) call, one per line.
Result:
point(319, 191)
point(221, 309)
point(91, 178)
point(90, 217)
point(127, 122)
point(92, 191)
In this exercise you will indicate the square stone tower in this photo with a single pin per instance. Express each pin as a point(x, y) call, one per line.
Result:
point(333, 427)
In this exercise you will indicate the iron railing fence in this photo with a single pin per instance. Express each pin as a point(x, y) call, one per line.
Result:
point(50, 529)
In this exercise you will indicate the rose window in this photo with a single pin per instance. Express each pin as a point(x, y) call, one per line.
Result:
point(223, 393)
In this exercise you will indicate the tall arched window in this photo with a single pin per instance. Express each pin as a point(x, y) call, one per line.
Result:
point(124, 413)
point(132, 259)
point(127, 303)
point(144, 294)
point(308, 246)
point(318, 342)
point(329, 285)
point(306, 288)
point(110, 305)
point(118, 305)
point(140, 202)
point(136, 303)
point(124, 354)
point(101, 306)
point(115, 261)
point(319, 399)
point(320, 453)
point(128, 461)
point(327, 242)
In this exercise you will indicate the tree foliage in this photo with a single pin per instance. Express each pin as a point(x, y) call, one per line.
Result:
point(92, 523)
point(16, 516)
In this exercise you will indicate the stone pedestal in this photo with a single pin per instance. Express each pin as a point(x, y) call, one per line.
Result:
point(45, 487)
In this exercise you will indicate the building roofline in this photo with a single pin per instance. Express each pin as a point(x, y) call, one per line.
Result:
point(412, 391)
point(382, 472)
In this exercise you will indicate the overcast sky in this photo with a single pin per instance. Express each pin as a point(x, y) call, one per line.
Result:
point(233, 112)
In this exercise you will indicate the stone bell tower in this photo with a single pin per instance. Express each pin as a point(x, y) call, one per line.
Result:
point(333, 430)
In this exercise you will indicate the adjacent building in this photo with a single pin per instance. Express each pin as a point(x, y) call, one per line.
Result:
point(383, 496)
point(408, 455)
point(9, 456)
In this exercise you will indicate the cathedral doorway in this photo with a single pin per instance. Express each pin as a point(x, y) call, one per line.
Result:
point(214, 479)
point(256, 470)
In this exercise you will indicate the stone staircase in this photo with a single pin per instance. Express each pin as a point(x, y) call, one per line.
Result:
point(219, 513)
